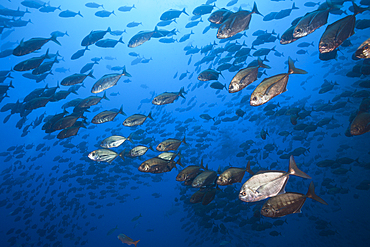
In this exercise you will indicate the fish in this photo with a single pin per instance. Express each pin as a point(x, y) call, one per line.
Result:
point(245, 77)
point(189, 172)
point(363, 51)
point(139, 150)
point(209, 196)
point(158, 165)
point(208, 75)
point(69, 13)
point(115, 141)
point(134, 24)
point(94, 36)
point(108, 81)
point(31, 63)
point(104, 13)
point(168, 97)
point(197, 197)
point(203, 9)
point(104, 155)
point(236, 22)
point(136, 119)
point(108, 43)
point(233, 175)
point(106, 116)
point(360, 124)
point(79, 53)
point(34, 44)
point(172, 14)
point(140, 38)
point(110, 232)
point(310, 22)
point(93, 5)
point(76, 79)
point(268, 184)
point(170, 144)
point(288, 203)
point(126, 8)
point(206, 178)
point(337, 32)
point(126, 240)
point(273, 86)
point(90, 101)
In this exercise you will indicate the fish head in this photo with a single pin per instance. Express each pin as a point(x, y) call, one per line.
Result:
point(258, 99)
point(196, 183)
point(363, 52)
point(326, 46)
point(224, 179)
point(93, 155)
point(268, 210)
point(234, 87)
point(181, 177)
point(248, 195)
point(160, 147)
point(144, 167)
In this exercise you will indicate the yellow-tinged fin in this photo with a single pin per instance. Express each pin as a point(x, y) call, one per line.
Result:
point(311, 194)
point(135, 243)
point(293, 69)
point(122, 154)
point(293, 169)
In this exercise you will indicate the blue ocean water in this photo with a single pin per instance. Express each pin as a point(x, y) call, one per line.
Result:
point(52, 194)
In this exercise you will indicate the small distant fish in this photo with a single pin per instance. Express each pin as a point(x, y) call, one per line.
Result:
point(104, 13)
point(126, 240)
point(126, 8)
point(68, 14)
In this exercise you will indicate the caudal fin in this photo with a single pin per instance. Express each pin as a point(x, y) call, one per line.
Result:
point(293, 69)
point(255, 10)
point(248, 168)
point(135, 243)
point(262, 65)
point(293, 169)
point(311, 194)
point(54, 38)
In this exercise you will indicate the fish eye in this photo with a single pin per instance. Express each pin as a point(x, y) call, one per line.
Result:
point(254, 98)
point(266, 210)
point(243, 193)
point(324, 45)
point(299, 30)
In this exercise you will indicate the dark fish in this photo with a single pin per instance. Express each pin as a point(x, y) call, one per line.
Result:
point(203, 9)
point(76, 79)
point(104, 13)
point(68, 13)
point(34, 44)
point(141, 37)
point(236, 22)
point(273, 86)
point(126, 8)
point(108, 43)
point(245, 77)
point(79, 53)
point(136, 119)
point(232, 175)
point(310, 22)
point(219, 16)
point(172, 14)
point(31, 63)
point(168, 97)
point(288, 203)
point(94, 36)
point(93, 5)
point(337, 32)
point(287, 36)
point(208, 75)
point(106, 116)
point(134, 24)
point(108, 81)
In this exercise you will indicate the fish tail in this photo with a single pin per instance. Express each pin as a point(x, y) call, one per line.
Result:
point(120, 40)
point(135, 243)
point(248, 168)
point(183, 141)
point(262, 65)
point(357, 9)
point(54, 38)
point(311, 194)
point(183, 11)
point(105, 96)
point(182, 91)
point(293, 169)
point(122, 154)
point(79, 13)
point(150, 116)
point(90, 74)
point(293, 69)
point(151, 148)
point(11, 84)
point(129, 138)
point(178, 162)
point(124, 72)
point(255, 10)
point(294, 7)
point(121, 111)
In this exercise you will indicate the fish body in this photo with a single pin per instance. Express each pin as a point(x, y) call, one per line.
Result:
point(90, 101)
point(114, 141)
point(172, 14)
point(104, 155)
point(203, 9)
point(197, 197)
point(139, 150)
point(136, 119)
point(126, 240)
point(158, 165)
point(140, 38)
point(206, 178)
point(34, 44)
point(94, 36)
point(245, 77)
point(363, 51)
point(168, 97)
point(106, 116)
point(360, 124)
point(76, 79)
point(268, 184)
point(170, 144)
point(68, 14)
point(31, 63)
point(108, 43)
point(232, 175)
point(288, 203)
point(310, 22)
point(219, 16)
point(108, 81)
point(189, 173)
point(208, 75)
point(273, 86)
